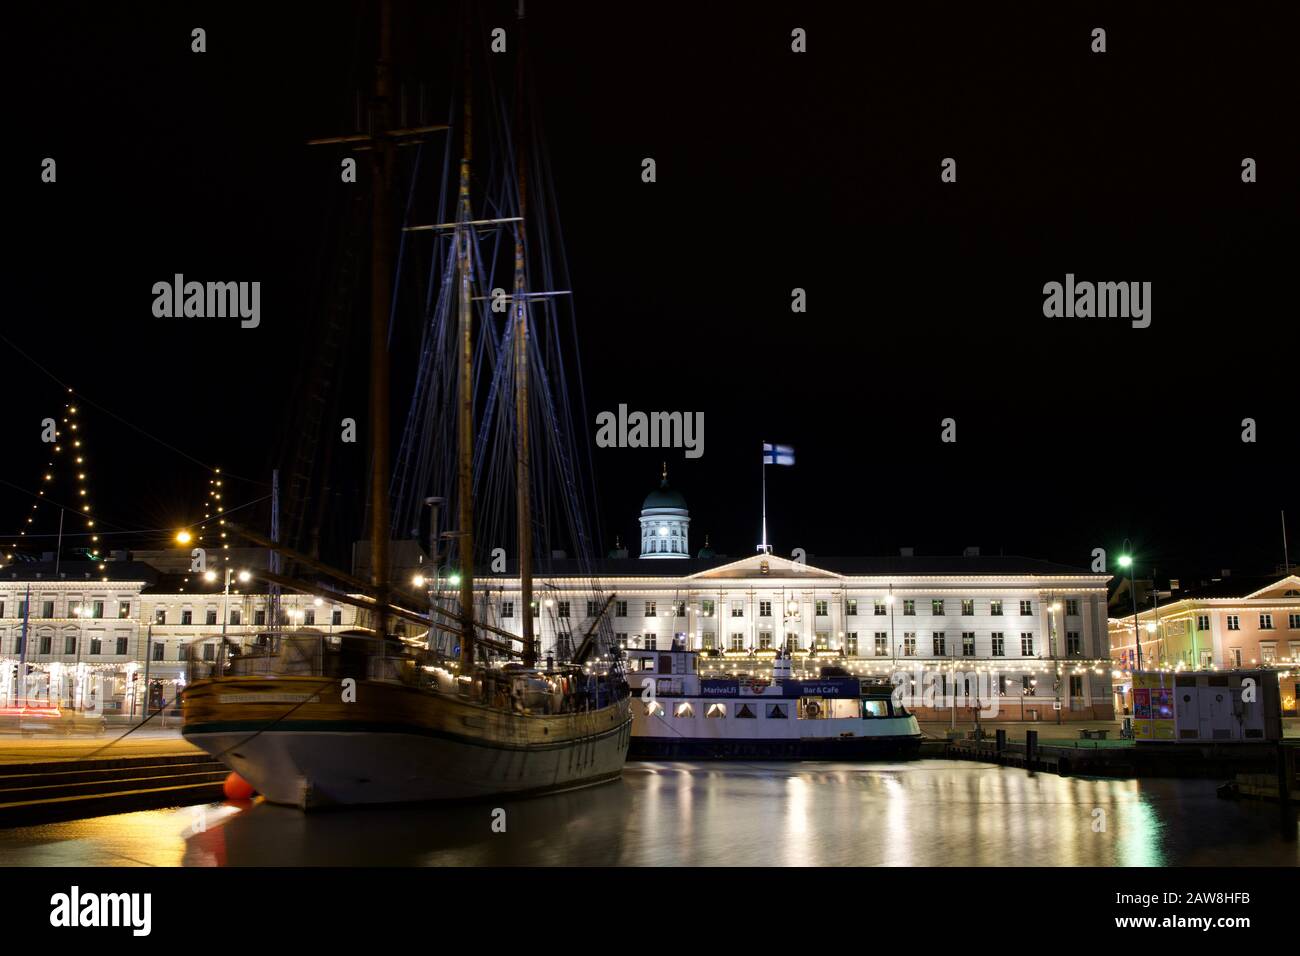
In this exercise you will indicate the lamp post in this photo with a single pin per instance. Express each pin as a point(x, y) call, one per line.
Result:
point(1051, 637)
point(225, 599)
point(1126, 561)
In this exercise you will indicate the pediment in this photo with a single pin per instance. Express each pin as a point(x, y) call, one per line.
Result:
point(1279, 590)
point(766, 566)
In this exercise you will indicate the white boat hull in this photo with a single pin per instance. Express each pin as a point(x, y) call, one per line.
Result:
point(321, 768)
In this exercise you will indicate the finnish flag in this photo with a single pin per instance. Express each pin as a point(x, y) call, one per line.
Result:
point(777, 454)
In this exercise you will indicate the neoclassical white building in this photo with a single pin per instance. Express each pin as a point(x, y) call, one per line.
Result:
point(98, 633)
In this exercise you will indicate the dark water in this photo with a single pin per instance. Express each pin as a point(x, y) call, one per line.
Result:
point(922, 813)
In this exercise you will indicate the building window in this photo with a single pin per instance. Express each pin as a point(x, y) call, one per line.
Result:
point(1202, 622)
point(562, 609)
point(650, 610)
point(1072, 606)
point(940, 646)
point(22, 609)
point(336, 617)
point(999, 645)
point(159, 647)
point(882, 644)
point(706, 608)
point(650, 642)
point(1236, 656)
point(47, 609)
point(209, 652)
point(187, 617)
point(97, 609)
point(792, 642)
point(1028, 685)
point(936, 608)
point(708, 642)
point(1026, 645)
point(235, 616)
point(967, 643)
point(121, 647)
point(74, 608)
point(909, 607)
point(96, 647)
point(851, 644)
point(1076, 686)
point(1266, 622)
point(909, 644)
point(679, 609)
point(967, 607)
point(309, 617)
point(69, 644)
point(765, 640)
point(878, 607)
point(620, 609)
point(259, 618)
point(851, 608)
point(160, 615)
point(507, 608)
point(820, 608)
point(123, 609)
point(995, 608)
point(1267, 653)
point(764, 608)
point(1026, 608)
point(737, 608)
point(45, 643)
point(737, 641)
point(1073, 642)
point(620, 639)
point(210, 617)
point(1234, 622)
point(1293, 622)
point(823, 640)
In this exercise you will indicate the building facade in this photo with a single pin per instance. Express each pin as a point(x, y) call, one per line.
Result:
point(94, 636)
point(1014, 638)
point(1231, 624)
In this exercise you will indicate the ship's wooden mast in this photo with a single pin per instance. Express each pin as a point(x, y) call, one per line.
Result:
point(465, 429)
point(523, 481)
point(381, 294)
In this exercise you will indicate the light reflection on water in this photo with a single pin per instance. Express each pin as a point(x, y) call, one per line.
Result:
point(920, 813)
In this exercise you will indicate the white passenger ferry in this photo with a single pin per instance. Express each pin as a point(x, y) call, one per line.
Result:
point(834, 717)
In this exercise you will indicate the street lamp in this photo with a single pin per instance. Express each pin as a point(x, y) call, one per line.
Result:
point(1126, 562)
point(244, 577)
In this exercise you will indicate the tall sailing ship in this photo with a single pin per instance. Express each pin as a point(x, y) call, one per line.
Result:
point(439, 702)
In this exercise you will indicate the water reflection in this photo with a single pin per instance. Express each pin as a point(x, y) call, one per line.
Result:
point(920, 813)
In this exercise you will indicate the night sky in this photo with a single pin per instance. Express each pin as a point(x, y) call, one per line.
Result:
point(775, 170)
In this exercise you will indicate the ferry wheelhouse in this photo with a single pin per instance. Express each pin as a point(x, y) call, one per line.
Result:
point(833, 717)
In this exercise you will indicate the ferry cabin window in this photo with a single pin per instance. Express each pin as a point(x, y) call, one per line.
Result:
point(812, 708)
point(875, 708)
point(647, 664)
point(654, 709)
point(665, 664)
point(716, 710)
point(778, 712)
point(743, 711)
point(684, 710)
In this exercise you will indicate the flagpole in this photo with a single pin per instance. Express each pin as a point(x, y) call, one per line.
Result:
point(764, 470)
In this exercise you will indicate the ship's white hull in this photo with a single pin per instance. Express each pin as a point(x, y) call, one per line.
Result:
point(320, 768)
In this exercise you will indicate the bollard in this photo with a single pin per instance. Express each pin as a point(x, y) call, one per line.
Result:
point(1001, 741)
point(1031, 749)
